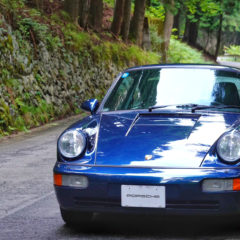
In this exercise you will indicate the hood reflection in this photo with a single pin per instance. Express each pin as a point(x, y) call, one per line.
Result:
point(173, 141)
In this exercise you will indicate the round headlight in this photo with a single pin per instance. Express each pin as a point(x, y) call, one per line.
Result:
point(228, 146)
point(72, 143)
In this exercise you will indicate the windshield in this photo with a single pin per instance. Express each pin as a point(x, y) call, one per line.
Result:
point(141, 89)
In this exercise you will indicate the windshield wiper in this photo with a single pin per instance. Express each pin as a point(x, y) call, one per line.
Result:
point(189, 105)
point(200, 107)
point(194, 106)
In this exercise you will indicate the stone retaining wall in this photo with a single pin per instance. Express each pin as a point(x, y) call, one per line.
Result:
point(30, 75)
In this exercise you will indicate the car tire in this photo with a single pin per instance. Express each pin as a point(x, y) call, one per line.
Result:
point(76, 217)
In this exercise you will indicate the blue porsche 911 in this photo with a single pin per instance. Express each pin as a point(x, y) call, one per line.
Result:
point(165, 140)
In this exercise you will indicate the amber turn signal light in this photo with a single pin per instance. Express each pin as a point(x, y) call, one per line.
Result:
point(57, 179)
point(70, 180)
point(236, 184)
point(219, 185)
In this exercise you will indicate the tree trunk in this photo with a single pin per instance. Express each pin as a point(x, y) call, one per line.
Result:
point(148, 3)
point(96, 15)
point(193, 33)
point(176, 23)
point(146, 35)
point(136, 29)
point(167, 29)
point(84, 6)
point(186, 30)
point(126, 20)
point(72, 8)
point(36, 3)
point(117, 17)
point(219, 37)
point(208, 36)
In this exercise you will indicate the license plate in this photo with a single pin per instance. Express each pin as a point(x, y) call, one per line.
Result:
point(143, 196)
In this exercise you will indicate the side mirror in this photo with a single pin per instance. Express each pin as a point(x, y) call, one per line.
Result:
point(90, 105)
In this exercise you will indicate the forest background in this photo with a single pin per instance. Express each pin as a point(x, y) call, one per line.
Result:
point(56, 53)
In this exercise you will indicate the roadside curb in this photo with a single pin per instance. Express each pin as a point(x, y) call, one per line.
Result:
point(44, 127)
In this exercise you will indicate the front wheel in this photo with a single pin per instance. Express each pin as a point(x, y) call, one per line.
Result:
point(75, 217)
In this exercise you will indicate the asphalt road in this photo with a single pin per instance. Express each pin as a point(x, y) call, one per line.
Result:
point(29, 210)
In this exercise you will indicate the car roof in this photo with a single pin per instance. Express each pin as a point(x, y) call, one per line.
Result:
point(185, 65)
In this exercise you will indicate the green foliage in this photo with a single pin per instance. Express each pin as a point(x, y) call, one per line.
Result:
point(30, 28)
point(232, 22)
point(231, 16)
point(232, 50)
point(121, 55)
point(23, 116)
point(155, 12)
point(207, 13)
point(110, 3)
point(178, 52)
point(202, 7)
point(140, 57)
point(13, 5)
point(156, 40)
point(28, 24)
point(76, 40)
point(6, 45)
point(33, 12)
point(24, 47)
point(53, 42)
point(5, 118)
point(181, 53)
point(105, 51)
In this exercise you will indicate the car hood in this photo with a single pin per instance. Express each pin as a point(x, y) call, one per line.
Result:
point(158, 139)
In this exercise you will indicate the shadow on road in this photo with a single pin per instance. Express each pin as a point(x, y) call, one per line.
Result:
point(153, 227)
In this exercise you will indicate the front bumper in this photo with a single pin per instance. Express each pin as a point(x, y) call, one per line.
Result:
point(184, 195)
